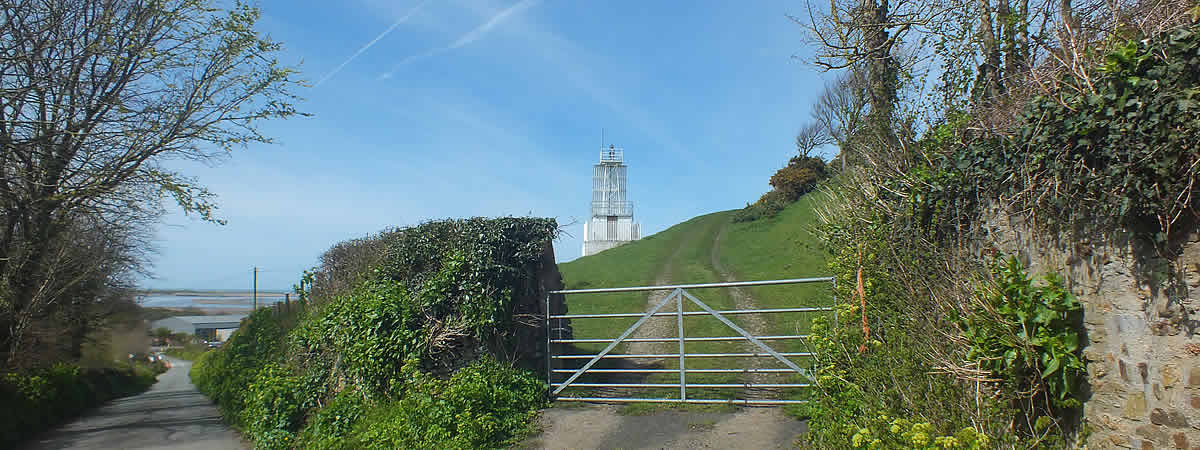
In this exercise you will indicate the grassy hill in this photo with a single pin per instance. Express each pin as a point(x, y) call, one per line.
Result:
point(706, 249)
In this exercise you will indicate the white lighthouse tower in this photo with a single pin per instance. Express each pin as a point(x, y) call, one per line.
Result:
point(611, 223)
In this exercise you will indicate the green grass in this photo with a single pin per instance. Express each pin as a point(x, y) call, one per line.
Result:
point(780, 247)
point(776, 248)
point(190, 351)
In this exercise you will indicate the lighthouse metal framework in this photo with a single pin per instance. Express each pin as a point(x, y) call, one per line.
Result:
point(611, 223)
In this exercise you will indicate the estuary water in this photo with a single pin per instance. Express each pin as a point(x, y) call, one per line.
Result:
point(208, 300)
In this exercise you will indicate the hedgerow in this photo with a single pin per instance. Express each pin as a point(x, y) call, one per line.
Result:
point(420, 353)
point(224, 374)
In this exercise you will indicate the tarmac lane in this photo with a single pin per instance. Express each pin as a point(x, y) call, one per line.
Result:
point(171, 415)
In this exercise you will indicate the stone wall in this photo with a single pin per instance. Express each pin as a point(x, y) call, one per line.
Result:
point(1142, 348)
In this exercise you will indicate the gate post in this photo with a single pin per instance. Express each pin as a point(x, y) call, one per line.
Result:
point(682, 370)
point(549, 354)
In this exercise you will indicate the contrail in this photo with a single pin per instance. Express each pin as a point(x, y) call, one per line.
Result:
point(373, 41)
point(469, 37)
point(479, 31)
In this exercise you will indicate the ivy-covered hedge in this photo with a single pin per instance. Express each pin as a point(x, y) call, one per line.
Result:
point(1118, 152)
point(419, 354)
point(37, 400)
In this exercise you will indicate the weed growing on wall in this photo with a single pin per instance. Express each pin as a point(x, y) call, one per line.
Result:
point(1029, 336)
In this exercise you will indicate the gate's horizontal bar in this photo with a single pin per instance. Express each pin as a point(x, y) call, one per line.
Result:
point(676, 400)
point(694, 313)
point(677, 371)
point(689, 355)
point(694, 286)
point(691, 385)
point(674, 339)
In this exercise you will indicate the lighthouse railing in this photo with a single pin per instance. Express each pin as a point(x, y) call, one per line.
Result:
point(612, 209)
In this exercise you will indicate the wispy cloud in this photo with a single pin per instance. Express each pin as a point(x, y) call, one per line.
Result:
point(471, 36)
point(368, 45)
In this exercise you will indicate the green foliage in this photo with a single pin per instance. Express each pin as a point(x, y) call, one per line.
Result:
point(224, 374)
point(330, 426)
point(443, 296)
point(369, 333)
point(190, 351)
point(485, 405)
point(889, 374)
point(1116, 152)
point(1030, 336)
point(472, 276)
point(888, 433)
point(788, 184)
point(275, 406)
point(800, 176)
point(36, 400)
point(767, 206)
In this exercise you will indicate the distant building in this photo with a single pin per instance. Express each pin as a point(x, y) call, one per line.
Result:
point(611, 223)
point(205, 327)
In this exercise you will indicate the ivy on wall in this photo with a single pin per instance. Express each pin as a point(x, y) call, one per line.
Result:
point(1118, 152)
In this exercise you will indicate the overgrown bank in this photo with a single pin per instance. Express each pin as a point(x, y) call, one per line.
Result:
point(945, 338)
point(413, 338)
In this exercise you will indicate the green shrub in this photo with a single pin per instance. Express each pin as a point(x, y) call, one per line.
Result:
point(275, 406)
point(889, 433)
point(410, 343)
point(369, 332)
point(190, 351)
point(485, 405)
point(799, 177)
point(767, 206)
point(330, 426)
point(224, 374)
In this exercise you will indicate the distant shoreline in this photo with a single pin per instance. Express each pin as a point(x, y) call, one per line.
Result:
point(169, 311)
point(211, 293)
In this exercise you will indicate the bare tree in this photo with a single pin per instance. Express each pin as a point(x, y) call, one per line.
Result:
point(841, 109)
point(811, 137)
point(95, 97)
point(864, 34)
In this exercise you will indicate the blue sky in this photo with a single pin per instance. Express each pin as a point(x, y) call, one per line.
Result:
point(492, 108)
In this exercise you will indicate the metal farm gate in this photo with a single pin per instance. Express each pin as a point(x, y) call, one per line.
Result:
point(731, 363)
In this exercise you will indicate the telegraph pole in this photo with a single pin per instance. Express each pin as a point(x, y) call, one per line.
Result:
point(255, 291)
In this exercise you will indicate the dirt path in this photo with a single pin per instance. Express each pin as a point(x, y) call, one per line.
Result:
point(572, 426)
point(653, 327)
point(658, 326)
point(755, 324)
point(603, 427)
point(171, 415)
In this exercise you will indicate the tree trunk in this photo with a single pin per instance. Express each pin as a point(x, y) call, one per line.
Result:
point(882, 75)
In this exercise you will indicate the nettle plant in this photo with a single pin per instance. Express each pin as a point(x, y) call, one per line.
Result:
point(1029, 336)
